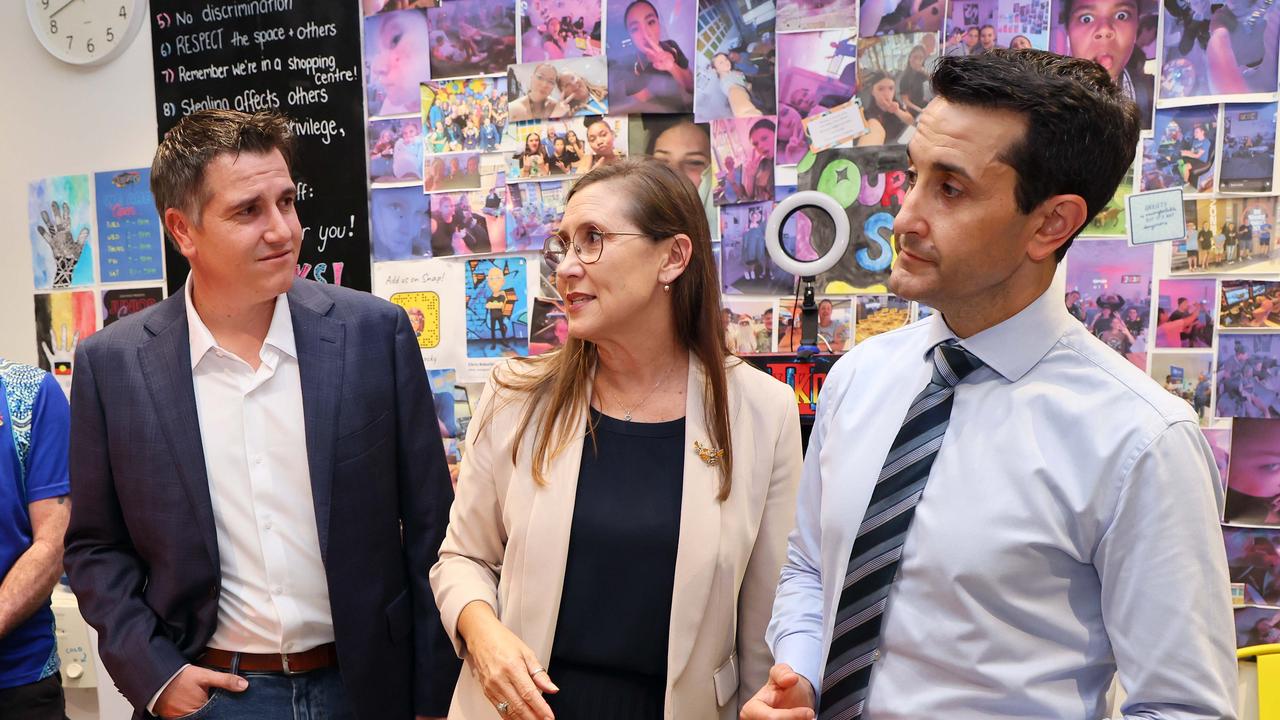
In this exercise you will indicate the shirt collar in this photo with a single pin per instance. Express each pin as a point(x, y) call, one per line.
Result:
point(1014, 346)
point(279, 334)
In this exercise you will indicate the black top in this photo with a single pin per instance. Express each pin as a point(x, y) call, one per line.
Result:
point(615, 610)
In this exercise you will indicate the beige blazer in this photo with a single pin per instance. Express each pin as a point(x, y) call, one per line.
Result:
point(508, 539)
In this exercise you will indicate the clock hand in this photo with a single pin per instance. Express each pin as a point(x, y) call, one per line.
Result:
point(64, 7)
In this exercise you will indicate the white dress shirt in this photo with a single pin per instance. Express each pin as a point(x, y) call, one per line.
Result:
point(1069, 527)
point(274, 596)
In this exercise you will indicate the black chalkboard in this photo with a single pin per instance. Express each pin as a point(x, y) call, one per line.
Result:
point(296, 56)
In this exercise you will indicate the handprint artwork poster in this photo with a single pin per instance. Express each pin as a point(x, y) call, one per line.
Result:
point(63, 319)
point(60, 223)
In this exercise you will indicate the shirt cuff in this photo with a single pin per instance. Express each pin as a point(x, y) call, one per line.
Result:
point(151, 706)
point(804, 655)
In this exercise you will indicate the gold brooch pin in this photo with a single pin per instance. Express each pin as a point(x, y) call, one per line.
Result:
point(709, 455)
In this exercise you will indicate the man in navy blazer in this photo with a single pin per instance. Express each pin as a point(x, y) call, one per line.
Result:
point(258, 486)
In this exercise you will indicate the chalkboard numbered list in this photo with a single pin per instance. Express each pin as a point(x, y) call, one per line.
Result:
point(298, 57)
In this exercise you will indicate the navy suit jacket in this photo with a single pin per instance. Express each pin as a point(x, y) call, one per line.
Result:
point(141, 550)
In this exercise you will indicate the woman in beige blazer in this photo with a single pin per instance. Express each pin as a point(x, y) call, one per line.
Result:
point(622, 510)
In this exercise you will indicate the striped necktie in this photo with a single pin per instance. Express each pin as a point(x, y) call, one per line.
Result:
point(877, 550)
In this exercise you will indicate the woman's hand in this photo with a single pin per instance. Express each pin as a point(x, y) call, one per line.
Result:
point(507, 669)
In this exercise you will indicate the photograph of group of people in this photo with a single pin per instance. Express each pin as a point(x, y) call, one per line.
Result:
point(558, 89)
point(1248, 376)
point(1253, 559)
point(1188, 376)
point(1248, 148)
point(572, 146)
point(735, 62)
point(1183, 152)
point(757, 326)
point(559, 29)
point(1227, 236)
point(460, 115)
point(1184, 313)
point(1109, 290)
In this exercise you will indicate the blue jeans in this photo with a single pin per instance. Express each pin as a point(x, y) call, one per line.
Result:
point(316, 695)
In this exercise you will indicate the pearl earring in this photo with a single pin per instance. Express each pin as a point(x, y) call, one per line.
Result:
point(666, 288)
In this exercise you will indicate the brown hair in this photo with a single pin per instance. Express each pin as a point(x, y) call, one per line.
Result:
point(664, 203)
point(177, 172)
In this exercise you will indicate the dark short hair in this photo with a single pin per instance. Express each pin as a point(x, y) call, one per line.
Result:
point(765, 123)
point(177, 172)
point(1081, 134)
point(590, 120)
point(984, 27)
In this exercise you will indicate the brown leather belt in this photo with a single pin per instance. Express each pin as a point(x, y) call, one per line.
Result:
point(324, 656)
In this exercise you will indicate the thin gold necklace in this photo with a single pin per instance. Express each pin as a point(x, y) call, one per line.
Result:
point(627, 413)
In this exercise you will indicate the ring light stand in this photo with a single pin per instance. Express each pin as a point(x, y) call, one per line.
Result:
point(807, 270)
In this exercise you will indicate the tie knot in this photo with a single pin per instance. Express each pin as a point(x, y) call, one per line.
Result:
point(952, 363)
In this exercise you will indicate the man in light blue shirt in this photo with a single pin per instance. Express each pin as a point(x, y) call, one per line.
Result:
point(1062, 518)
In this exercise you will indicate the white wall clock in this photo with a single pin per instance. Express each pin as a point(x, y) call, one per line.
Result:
point(86, 32)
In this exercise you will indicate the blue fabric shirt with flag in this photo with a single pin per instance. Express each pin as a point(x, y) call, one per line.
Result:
point(34, 428)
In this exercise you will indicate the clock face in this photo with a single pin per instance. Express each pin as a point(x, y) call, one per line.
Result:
point(86, 32)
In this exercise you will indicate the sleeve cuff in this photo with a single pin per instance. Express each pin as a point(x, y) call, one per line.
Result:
point(151, 705)
point(804, 655)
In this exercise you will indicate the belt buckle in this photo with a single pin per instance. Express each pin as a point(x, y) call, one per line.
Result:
point(284, 662)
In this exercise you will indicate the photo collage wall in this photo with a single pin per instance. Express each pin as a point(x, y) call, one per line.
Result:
point(483, 113)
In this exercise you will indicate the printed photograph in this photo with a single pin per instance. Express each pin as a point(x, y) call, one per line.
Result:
point(373, 7)
point(1248, 148)
point(558, 88)
point(650, 43)
point(818, 72)
point(1213, 50)
point(894, 17)
point(988, 24)
point(835, 325)
point(559, 29)
point(893, 82)
point(870, 182)
point(797, 15)
point(466, 223)
point(497, 307)
point(550, 327)
point(59, 223)
point(458, 171)
point(1257, 625)
point(1119, 35)
point(534, 212)
point(1219, 440)
point(682, 144)
point(117, 304)
point(395, 152)
point(571, 146)
point(63, 319)
point(397, 48)
point(401, 223)
point(1248, 376)
point(735, 61)
point(1253, 485)
point(1253, 558)
point(1232, 236)
point(1250, 304)
point(1188, 376)
point(746, 268)
point(473, 37)
point(1184, 313)
point(1112, 220)
point(1183, 152)
point(464, 115)
point(1109, 290)
point(748, 325)
point(878, 314)
point(743, 152)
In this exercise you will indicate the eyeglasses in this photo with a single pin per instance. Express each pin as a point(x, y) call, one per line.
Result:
point(587, 244)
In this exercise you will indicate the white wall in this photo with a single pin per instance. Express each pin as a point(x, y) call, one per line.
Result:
point(61, 120)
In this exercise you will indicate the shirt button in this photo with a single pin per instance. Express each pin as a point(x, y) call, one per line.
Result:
point(266, 525)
